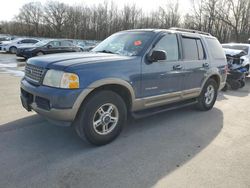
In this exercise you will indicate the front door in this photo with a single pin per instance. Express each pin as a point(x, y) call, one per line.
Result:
point(162, 80)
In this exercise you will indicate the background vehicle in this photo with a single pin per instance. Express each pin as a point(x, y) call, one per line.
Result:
point(47, 47)
point(238, 54)
point(4, 38)
point(86, 45)
point(138, 72)
point(11, 46)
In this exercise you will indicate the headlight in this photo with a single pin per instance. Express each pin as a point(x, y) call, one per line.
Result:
point(61, 79)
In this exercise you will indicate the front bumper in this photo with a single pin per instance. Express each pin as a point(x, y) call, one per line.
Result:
point(26, 55)
point(52, 103)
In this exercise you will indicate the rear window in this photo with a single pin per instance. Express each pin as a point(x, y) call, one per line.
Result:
point(192, 49)
point(215, 48)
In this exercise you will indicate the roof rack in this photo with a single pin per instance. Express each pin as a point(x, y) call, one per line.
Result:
point(190, 31)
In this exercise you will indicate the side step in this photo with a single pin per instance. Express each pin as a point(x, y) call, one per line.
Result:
point(157, 110)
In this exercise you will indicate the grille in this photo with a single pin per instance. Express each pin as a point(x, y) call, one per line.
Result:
point(34, 73)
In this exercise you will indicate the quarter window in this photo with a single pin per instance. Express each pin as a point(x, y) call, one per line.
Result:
point(169, 44)
point(200, 49)
point(215, 48)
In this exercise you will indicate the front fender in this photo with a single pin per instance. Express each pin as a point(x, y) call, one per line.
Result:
point(99, 83)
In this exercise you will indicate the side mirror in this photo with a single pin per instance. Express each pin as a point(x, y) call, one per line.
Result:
point(157, 55)
point(49, 46)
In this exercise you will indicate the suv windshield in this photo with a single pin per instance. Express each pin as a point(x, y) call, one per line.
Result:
point(237, 47)
point(128, 43)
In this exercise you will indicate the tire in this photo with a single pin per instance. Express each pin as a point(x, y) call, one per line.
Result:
point(208, 95)
point(90, 114)
point(39, 53)
point(235, 85)
point(12, 49)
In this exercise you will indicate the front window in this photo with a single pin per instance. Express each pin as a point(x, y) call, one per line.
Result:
point(128, 43)
point(41, 43)
point(169, 44)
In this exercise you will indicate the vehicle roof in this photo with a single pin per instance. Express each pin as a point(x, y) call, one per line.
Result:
point(50, 40)
point(168, 30)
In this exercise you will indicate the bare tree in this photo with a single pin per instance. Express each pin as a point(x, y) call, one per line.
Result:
point(55, 16)
point(226, 19)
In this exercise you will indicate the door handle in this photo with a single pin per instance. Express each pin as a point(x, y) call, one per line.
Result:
point(177, 67)
point(206, 65)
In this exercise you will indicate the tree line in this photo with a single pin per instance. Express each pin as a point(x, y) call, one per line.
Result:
point(228, 20)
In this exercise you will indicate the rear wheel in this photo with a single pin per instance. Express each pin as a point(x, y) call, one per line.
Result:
point(101, 118)
point(208, 95)
point(13, 50)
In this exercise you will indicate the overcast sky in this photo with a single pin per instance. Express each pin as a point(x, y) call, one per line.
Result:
point(10, 8)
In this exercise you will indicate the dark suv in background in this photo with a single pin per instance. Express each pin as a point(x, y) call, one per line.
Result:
point(138, 72)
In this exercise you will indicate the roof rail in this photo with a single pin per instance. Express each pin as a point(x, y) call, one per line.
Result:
point(189, 30)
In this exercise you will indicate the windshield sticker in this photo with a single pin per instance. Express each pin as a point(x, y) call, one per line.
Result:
point(137, 43)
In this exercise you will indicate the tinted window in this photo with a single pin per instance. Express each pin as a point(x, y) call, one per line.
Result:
point(200, 49)
point(54, 43)
point(190, 51)
point(215, 48)
point(32, 41)
point(169, 44)
point(66, 43)
point(28, 41)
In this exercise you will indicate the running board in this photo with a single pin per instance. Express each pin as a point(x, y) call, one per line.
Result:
point(157, 110)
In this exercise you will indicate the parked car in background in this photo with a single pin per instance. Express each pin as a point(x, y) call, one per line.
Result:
point(47, 47)
point(137, 72)
point(238, 55)
point(12, 45)
point(86, 46)
point(5, 38)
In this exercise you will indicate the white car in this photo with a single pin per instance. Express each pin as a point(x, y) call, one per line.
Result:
point(11, 46)
point(238, 50)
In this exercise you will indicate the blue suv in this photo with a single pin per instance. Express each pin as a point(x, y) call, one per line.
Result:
point(135, 72)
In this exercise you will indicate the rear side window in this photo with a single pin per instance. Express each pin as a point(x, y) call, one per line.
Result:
point(66, 43)
point(215, 48)
point(169, 44)
point(192, 49)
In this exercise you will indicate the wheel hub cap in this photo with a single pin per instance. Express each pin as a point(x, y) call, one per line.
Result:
point(105, 119)
point(209, 95)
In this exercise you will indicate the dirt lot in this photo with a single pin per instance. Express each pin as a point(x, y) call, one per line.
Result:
point(181, 148)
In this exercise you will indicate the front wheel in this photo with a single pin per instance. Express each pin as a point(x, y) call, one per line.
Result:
point(13, 50)
point(101, 118)
point(208, 95)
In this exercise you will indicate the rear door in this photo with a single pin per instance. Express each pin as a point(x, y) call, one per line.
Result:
point(67, 46)
point(164, 78)
point(53, 47)
point(195, 63)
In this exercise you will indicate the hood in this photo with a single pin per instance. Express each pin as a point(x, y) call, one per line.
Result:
point(232, 52)
point(64, 60)
point(6, 42)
